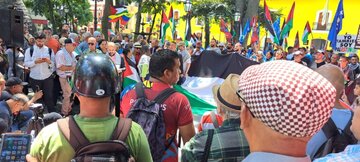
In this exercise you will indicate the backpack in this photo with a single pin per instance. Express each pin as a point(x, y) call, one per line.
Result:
point(149, 115)
point(32, 51)
point(336, 141)
point(113, 150)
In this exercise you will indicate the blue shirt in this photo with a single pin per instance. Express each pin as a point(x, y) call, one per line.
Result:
point(83, 46)
point(272, 157)
point(340, 117)
point(350, 154)
point(5, 117)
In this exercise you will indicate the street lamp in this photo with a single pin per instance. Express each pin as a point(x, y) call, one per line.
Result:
point(188, 6)
point(237, 18)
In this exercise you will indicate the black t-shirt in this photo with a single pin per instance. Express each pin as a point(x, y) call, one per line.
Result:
point(320, 64)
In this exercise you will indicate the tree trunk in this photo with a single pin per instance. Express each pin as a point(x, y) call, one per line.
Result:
point(52, 18)
point(240, 9)
point(104, 22)
point(207, 31)
point(152, 27)
point(252, 7)
point(138, 19)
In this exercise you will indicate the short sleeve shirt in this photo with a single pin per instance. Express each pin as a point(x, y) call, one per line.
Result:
point(177, 112)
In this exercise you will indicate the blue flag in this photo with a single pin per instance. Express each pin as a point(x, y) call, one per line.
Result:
point(336, 25)
point(245, 31)
point(276, 27)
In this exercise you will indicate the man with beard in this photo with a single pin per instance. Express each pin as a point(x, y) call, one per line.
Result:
point(42, 66)
point(213, 47)
point(229, 48)
point(237, 48)
point(354, 67)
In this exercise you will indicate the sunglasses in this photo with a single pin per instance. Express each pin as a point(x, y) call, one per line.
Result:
point(241, 98)
point(91, 44)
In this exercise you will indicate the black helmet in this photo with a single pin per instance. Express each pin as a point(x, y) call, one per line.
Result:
point(96, 76)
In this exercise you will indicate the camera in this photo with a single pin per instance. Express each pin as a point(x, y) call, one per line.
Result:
point(38, 109)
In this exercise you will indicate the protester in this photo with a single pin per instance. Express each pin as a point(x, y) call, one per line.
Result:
point(42, 65)
point(164, 72)
point(137, 52)
point(210, 120)
point(354, 68)
point(340, 116)
point(269, 56)
point(335, 59)
point(238, 48)
point(284, 105)
point(351, 152)
point(19, 63)
point(92, 47)
point(94, 120)
point(198, 49)
point(154, 45)
point(229, 48)
point(319, 59)
point(102, 46)
point(213, 46)
point(14, 105)
point(144, 62)
point(50, 41)
point(279, 54)
point(83, 46)
point(65, 65)
point(298, 56)
point(228, 141)
point(186, 58)
point(222, 48)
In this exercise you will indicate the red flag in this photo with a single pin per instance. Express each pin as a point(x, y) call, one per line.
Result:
point(112, 10)
point(297, 42)
point(255, 30)
point(267, 12)
point(224, 29)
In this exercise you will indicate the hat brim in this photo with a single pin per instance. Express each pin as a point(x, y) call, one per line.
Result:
point(215, 90)
point(24, 83)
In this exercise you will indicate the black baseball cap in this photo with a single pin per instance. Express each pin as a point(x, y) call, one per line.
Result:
point(15, 81)
point(68, 41)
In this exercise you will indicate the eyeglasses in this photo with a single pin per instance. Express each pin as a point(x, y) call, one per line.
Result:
point(91, 44)
point(241, 98)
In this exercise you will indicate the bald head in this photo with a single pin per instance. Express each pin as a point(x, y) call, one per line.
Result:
point(335, 76)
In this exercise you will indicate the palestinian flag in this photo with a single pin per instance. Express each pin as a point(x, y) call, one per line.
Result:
point(172, 20)
point(164, 25)
point(203, 75)
point(269, 23)
point(306, 33)
point(131, 74)
point(289, 23)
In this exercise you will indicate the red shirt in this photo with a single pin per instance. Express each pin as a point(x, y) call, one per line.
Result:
point(53, 44)
point(177, 112)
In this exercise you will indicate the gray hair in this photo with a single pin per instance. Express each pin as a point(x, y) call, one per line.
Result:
point(20, 97)
point(73, 36)
point(230, 114)
point(86, 35)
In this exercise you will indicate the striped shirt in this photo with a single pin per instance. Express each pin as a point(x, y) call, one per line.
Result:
point(350, 154)
point(228, 144)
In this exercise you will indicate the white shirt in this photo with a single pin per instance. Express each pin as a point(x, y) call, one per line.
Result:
point(116, 59)
point(43, 70)
point(64, 58)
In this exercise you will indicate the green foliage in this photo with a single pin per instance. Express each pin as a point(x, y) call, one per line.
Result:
point(79, 9)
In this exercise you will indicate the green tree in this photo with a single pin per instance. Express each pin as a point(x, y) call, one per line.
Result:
point(208, 9)
point(54, 10)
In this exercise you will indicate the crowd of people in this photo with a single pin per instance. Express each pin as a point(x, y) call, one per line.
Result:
point(278, 110)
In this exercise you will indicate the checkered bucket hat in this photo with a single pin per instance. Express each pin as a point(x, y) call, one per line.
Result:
point(287, 97)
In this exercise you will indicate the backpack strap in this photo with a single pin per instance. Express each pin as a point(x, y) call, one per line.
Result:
point(139, 89)
point(72, 132)
point(208, 145)
point(330, 129)
point(122, 129)
point(164, 95)
point(31, 51)
point(214, 119)
point(50, 51)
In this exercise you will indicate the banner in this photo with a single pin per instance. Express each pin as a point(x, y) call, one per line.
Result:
point(357, 41)
point(345, 43)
